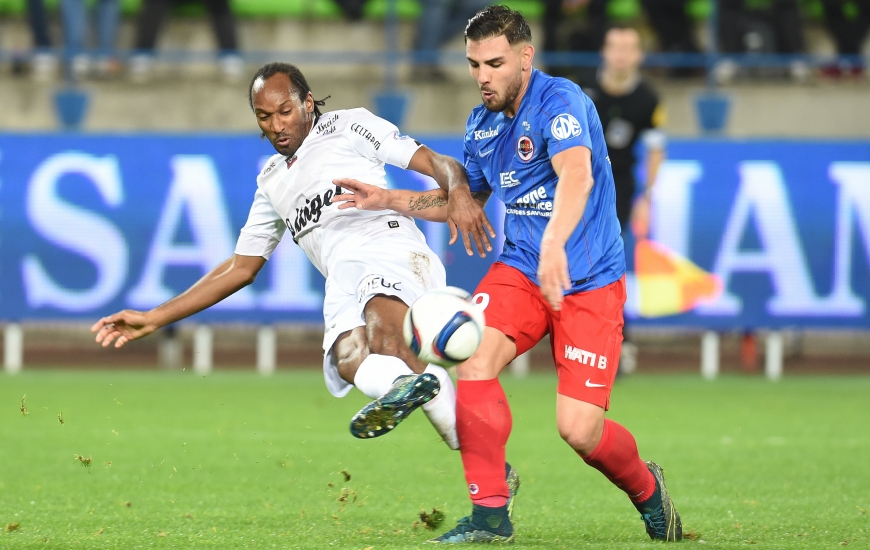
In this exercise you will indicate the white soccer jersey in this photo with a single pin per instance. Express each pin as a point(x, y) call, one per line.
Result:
point(296, 193)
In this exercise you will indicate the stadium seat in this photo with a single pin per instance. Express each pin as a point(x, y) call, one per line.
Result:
point(12, 7)
point(623, 10)
point(699, 10)
point(620, 10)
point(531, 9)
point(294, 9)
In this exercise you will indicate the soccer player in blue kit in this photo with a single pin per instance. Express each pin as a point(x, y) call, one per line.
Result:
point(537, 143)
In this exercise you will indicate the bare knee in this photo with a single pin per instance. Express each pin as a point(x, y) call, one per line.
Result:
point(582, 433)
point(349, 351)
point(495, 351)
point(478, 367)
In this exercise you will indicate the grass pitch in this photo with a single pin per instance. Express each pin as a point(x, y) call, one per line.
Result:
point(240, 461)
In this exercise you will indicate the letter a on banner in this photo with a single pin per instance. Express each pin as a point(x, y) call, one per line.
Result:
point(762, 196)
point(196, 190)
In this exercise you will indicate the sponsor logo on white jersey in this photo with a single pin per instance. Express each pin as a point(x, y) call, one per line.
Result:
point(565, 126)
point(327, 127)
point(483, 134)
point(507, 179)
point(398, 136)
point(375, 284)
point(585, 358)
point(312, 210)
point(358, 129)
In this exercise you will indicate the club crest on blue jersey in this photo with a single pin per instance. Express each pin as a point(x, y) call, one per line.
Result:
point(565, 126)
point(525, 148)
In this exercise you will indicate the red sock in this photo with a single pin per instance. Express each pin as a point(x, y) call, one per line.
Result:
point(483, 423)
point(617, 458)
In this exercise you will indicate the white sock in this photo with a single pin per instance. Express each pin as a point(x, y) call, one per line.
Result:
point(441, 410)
point(376, 374)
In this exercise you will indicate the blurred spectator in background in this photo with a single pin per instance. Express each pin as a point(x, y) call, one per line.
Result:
point(152, 15)
point(439, 21)
point(629, 110)
point(760, 26)
point(353, 9)
point(589, 21)
point(75, 29)
point(43, 61)
point(848, 21)
point(594, 13)
point(668, 18)
point(673, 27)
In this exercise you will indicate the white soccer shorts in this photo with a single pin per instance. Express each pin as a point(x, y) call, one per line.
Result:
point(400, 265)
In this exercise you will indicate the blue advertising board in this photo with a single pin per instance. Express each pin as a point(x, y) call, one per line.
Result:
point(90, 224)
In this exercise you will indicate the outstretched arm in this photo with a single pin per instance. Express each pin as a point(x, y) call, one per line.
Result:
point(425, 205)
point(465, 213)
point(222, 281)
point(453, 203)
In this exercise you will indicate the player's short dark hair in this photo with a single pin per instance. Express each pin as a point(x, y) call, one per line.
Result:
point(621, 27)
point(498, 20)
point(296, 78)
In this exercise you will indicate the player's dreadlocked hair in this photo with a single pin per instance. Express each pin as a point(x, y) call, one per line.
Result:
point(295, 76)
point(498, 20)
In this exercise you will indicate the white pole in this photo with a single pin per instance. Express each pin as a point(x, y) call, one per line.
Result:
point(13, 348)
point(267, 350)
point(520, 365)
point(202, 349)
point(710, 355)
point(773, 356)
point(169, 349)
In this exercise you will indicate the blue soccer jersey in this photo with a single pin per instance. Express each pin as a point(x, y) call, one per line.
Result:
point(512, 158)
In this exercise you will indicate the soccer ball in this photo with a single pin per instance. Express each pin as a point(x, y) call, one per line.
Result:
point(443, 326)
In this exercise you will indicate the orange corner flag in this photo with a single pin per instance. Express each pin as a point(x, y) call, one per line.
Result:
point(668, 283)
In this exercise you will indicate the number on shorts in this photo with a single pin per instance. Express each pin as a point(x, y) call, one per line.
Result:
point(481, 299)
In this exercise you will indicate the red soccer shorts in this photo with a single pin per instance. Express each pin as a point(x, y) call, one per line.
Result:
point(585, 336)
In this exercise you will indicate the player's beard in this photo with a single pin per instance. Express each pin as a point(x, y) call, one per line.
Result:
point(295, 137)
point(501, 102)
point(294, 142)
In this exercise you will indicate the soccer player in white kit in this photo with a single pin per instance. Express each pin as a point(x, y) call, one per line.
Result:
point(375, 263)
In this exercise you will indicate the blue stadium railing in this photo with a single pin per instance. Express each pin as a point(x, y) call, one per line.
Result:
point(561, 59)
point(392, 56)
